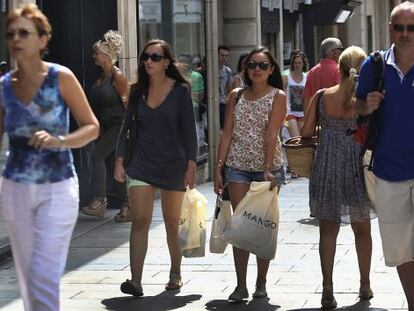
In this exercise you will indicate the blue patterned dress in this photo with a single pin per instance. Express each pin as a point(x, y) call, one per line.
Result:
point(46, 111)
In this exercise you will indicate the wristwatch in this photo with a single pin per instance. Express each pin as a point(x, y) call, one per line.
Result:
point(62, 140)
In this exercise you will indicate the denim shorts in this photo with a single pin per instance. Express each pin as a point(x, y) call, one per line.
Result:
point(234, 175)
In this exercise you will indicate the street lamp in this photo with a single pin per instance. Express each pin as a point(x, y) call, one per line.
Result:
point(344, 13)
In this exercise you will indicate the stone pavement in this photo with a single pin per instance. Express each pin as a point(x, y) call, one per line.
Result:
point(98, 262)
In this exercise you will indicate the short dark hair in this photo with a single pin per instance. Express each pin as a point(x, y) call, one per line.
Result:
point(223, 47)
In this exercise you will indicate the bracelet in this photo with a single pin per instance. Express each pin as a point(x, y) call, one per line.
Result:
point(61, 139)
point(219, 163)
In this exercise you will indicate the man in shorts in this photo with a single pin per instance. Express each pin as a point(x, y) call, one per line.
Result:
point(394, 148)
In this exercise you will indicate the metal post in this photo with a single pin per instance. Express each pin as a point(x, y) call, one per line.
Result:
point(280, 56)
point(212, 82)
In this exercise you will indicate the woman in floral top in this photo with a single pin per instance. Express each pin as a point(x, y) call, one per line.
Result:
point(250, 147)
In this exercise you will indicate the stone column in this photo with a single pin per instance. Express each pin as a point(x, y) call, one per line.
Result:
point(241, 27)
point(127, 26)
point(212, 81)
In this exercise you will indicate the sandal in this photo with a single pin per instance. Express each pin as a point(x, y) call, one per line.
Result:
point(175, 282)
point(328, 300)
point(97, 207)
point(367, 295)
point(129, 288)
point(124, 214)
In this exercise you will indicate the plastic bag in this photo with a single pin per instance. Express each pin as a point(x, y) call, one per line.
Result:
point(255, 222)
point(221, 221)
point(192, 226)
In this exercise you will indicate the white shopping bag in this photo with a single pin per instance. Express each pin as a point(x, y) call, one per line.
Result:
point(255, 222)
point(221, 221)
point(192, 227)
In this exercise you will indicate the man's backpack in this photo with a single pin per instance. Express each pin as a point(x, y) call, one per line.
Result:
point(366, 131)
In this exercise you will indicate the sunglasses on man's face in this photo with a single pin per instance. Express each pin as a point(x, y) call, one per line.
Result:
point(401, 27)
point(21, 33)
point(252, 65)
point(154, 57)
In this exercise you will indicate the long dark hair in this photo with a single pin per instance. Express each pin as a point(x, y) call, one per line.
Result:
point(304, 60)
point(142, 84)
point(275, 79)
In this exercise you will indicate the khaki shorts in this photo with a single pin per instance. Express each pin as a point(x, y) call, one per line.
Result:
point(135, 183)
point(395, 209)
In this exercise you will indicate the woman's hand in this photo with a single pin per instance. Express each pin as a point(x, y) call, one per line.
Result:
point(119, 170)
point(218, 181)
point(268, 176)
point(190, 178)
point(44, 140)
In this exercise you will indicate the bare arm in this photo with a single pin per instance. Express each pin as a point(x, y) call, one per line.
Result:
point(121, 86)
point(277, 117)
point(225, 141)
point(308, 128)
point(76, 100)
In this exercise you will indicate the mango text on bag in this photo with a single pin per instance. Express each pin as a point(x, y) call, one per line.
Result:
point(258, 220)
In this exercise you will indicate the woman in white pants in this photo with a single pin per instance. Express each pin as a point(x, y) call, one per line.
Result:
point(39, 188)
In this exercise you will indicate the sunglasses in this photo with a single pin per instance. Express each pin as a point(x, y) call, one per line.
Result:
point(154, 57)
point(401, 27)
point(21, 33)
point(251, 64)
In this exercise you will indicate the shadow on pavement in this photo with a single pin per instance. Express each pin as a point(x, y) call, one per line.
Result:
point(359, 306)
point(309, 221)
point(164, 301)
point(255, 304)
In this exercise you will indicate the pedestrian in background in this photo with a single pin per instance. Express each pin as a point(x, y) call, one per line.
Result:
point(225, 80)
point(325, 73)
point(294, 83)
point(238, 79)
point(164, 156)
point(250, 149)
point(336, 187)
point(109, 96)
point(39, 194)
point(394, 147)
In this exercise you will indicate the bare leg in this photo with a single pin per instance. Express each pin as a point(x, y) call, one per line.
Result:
point(363, 244)
point(328, 231)
point(293, 128)
point(241, 257)
point(171, 202)
point(142, 204)
point(406, 274)
point(262, 268)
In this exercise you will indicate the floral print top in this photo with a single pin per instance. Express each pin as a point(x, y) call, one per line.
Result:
point(250, 120)
point(46, 111)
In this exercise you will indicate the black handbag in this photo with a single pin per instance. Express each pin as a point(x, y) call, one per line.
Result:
point(131, 134)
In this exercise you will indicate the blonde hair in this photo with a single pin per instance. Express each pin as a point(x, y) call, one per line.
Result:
point(350, 63)
point(110, 44)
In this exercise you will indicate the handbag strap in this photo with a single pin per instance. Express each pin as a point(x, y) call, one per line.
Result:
point(318, 104)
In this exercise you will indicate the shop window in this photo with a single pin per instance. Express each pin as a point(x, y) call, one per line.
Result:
point(3, 14)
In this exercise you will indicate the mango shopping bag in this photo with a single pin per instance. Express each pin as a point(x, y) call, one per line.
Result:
point(255, 222)
point(221, 221)
point(192, 226)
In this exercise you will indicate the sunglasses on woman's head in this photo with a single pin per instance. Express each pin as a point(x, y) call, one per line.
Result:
point(251, 64)
point(21, 33)
point(154, 57)
point(401, 27)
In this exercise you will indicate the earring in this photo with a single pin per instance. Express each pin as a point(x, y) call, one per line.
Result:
point(166, 67)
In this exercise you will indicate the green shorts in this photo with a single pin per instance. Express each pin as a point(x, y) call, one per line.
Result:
point(135, 183)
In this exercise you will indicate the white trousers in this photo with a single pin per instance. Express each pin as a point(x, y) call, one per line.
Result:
point(40, 219)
